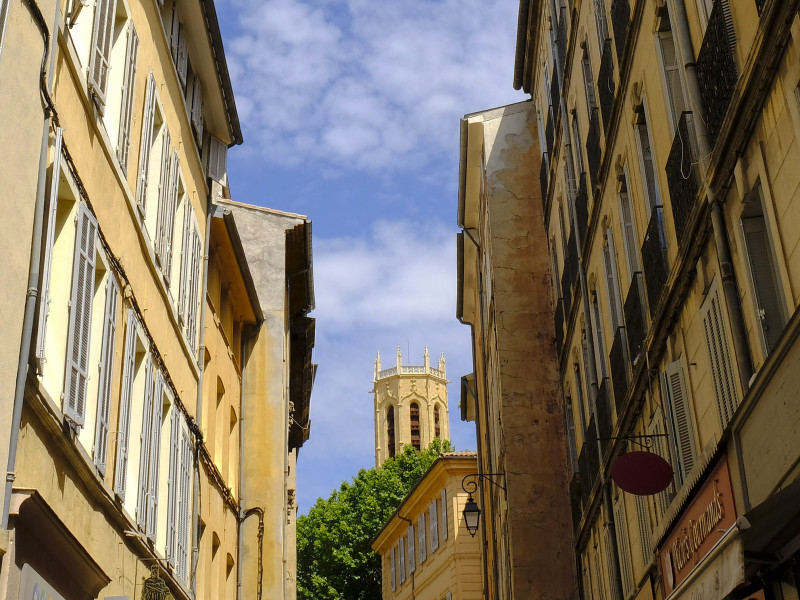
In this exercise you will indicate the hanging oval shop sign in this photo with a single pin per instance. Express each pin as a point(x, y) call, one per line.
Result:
point(641, 473)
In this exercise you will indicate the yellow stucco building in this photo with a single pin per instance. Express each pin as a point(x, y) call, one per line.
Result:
point(426, 551)
point(129, 431)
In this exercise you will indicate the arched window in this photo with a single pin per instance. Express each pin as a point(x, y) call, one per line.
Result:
point(437, 428)
point(390, 428)
point(415, 425)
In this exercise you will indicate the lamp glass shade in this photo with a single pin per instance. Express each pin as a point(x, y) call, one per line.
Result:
point(472, 515)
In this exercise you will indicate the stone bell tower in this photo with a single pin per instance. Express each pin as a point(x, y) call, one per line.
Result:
point(410, 406)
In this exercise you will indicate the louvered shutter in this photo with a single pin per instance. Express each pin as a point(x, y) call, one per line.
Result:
point(672, 76)
point(588, 81)
point(393, 572)
point(173, 485)
point(423, 547)
point(612, 278)
point(609, 556)
point(411, 559)
point(197, 110)
point(719, 356)
point(599, 345)
point(765, 281)
point(629, 234)
point(660, 447)
point(643, 519)
point(163, 197)
point(601, 588)
point(168, 227)
point(195, 267)
point(682, 428)
point(623, 546)
point(128, 88)
point(217, 160)
point(80, 316)
point(184, 505)
point(144, 445)
point(124, 425)
point(105, 374)
point(182, 62)
point(50, 236)
point(444, 515)
point(101, 49)
point(402, 559)
point(155, 457)
point(186, 259)
point(601, 21)
point(648, 164)
point(434, 524)
point(174, 35)
point(147, 141)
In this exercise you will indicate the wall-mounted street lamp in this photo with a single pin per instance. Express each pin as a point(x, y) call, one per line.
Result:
point(472, 514)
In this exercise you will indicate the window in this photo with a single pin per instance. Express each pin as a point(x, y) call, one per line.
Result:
point(671, 71)
point(612, 281)
point(630, 240)
point(390, 440)
point(577, 144)
point(150, 450)
point(623, 547)
point(146, 146)
point(401, 547)
point(647, 160)
point(126, 98)
point(445, 523)
point(165, 225)
point(123, 427)
point(415, 435)
point(179, 494)
point(599, 342)
point(765, 283)
point(437, 429)
point(588, 76)
point(679, 415)
point(712, 314)
point(191, 265)
point(579, 397)
point(100, 53)
point(608, 552)
point(411, 564)
point(433, 520)
point(601, 21)
point(573, 445)
point(423, 547)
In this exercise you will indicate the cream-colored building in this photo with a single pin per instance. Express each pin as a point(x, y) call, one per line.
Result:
point(410, 405)
point(426, 551)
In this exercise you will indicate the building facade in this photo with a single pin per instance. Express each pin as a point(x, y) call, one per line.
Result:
point(410, 406)
point(513, 395)
point(668, 132)
point(426, 551)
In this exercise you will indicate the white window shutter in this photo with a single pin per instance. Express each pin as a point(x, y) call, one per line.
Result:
point(124, 424)
point(423, 546)
point(682, 429)
point(173, 486)
point(193, 292)
point(182, 62)
point(155, 456)
point(186, 259)
point(106, 373)
point(174, 35)
point(217, 160)
point(184, 505)
point(144, 445)
point(434, 524)
point(719, 356)
point(612, 280)
point(47, 266)
point(647, 163)
point(147, 141)
point(101, 49)
point(411, 560)
point(676, 101)
point(629, 237)
point(402, 553)
point(393, 571)
point(80, 316)
point(168, 226)
point(163, 197)
point(128, 88)
point(197, 110)
point(444, 515)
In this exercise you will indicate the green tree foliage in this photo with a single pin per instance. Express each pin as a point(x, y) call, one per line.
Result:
point(334, 558)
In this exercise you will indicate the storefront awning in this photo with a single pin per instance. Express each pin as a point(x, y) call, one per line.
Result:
point(771, 530)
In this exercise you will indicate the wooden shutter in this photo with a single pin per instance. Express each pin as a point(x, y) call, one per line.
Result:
point(629, 237)
point(676, 102)
point(106, 372)
point(101, 49)
point(643, 519)
point(128, 87)
point(163, 197)
point(80, 316)
point(719, 356)
point(588, 80)
point(217, 159)
point(167, 227)
point(197, 110)
point(411, 559)
point(623, 546)
point(124, 425)
point(598, 575)
point(147, 141)
point(423, 546)
point(599, 344)
point(173, 485)
point(394, 574)
point(186, 259)
point(609, 556)
point(195, 274)
point(155, 456)
point(612, 281)
point(174, 33)
point(182, 62)
point(50, 236)
point(434, 524)
point(660, 447)
point(144, 445)
point(184, 505)
point(768, 303)
point(601, 21)
point(402, 561)
point(682, 429)
point(577, 144)
point(444, 515)
point(648, 162)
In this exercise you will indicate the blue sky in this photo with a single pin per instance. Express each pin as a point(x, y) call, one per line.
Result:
point(350, 112)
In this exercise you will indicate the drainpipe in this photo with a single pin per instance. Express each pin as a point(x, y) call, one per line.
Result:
point(32, 294)
point(591, 366)
point(727, 273)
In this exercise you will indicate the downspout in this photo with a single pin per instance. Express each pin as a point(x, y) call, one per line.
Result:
point(727, 273)
point(32, 293)
point(201, 352)
point(591, 365)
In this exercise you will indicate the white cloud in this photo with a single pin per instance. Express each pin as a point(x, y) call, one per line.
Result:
point(364, 84)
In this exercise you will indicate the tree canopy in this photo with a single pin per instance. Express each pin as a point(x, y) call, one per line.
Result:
point(334, 558)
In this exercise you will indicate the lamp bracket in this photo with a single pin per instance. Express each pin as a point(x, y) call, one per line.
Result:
point(472, 486)
point(646, 442)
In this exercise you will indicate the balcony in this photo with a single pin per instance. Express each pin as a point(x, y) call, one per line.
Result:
point(716, 71)
point(582, 207)
point(619, 368)
point(558, 321)
point(604, 422)
point(555, 91)
point(593, 152)
point(605, 84)
point(635, 319)
point(548, 133)
point(683, 173)
point(544, 180)
point(654, 257)
point(620, 18)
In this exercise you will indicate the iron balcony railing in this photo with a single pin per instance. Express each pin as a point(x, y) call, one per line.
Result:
point(620, 18)
point(654, 258)
point(582, 207)
point(593, 152)
point(549, 134)
point(604, 422)
point(619, 368)
point(544, 179)
point(683, 173)
point(635, 319)
point(716, 69)
point(558, 321)
point(605, 84)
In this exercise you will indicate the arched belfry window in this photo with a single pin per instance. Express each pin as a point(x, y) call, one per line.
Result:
point(390, 429)
point(437, 428)
point(415, 425)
